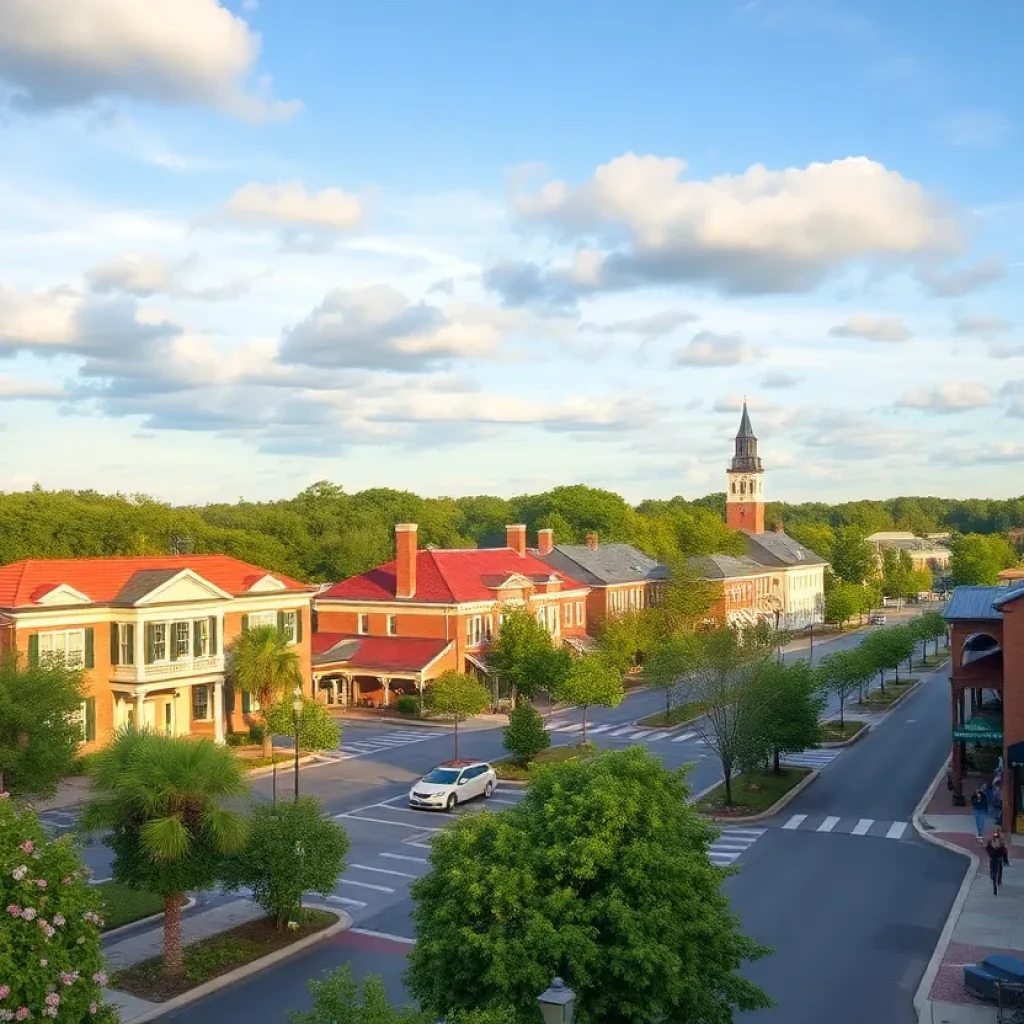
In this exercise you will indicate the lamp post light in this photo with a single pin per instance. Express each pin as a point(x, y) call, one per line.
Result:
point(296, 712)
point(558, 1003)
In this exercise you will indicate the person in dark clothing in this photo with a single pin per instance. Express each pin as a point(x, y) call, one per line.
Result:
point(998, 858)
point(979, 804)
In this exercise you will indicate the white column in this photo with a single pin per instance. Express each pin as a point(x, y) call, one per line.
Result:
point(218, 712)
point(140, 718)
point(140, 650)
point(387, 692)
point(346, 691)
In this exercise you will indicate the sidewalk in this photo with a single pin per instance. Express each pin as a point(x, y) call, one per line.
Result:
point(980, 924)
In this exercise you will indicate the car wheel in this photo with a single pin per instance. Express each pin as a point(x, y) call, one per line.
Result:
point(488, 790)
point(452, 801)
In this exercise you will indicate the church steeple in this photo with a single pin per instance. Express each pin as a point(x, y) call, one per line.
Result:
point(744, 488)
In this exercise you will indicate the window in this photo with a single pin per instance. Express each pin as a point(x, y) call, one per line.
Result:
point(67, 644)
point(200, 703)
point(567, 614)
point(541, 617)
point(201, 638)
point(364, 624)
point(474, 630)
point(126, 643)
point(156, 642)
point(260, 619)
point(181, 643)
point(87, 718)
point(579, 613)
point(489, 627)
point(288, 623)
point(392, 625)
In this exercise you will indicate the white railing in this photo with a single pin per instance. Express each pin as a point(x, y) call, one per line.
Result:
point(169, 669)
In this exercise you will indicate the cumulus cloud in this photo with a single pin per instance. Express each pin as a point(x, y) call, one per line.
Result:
point(983, 325)
point(846, 434)
point(379, 328)
point(951, 284)
point(12, 388)
point(706, 348)
point(872, 328)
point(762, 231)
point(951, 396)
point(779, 380)
point(146, 276)
point(654, 325)
point(190, 52)
point(997, 454)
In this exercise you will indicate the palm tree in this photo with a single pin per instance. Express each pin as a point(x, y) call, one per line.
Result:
point(265, 665)
point(160, 799)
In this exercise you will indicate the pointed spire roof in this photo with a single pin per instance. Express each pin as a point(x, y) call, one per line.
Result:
point(746, 430)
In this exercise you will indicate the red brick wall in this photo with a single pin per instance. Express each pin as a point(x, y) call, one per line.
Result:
point(745, 515)
point(1013, 694)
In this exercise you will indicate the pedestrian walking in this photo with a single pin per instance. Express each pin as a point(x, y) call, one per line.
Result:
point(979, 804)
point(998, 858)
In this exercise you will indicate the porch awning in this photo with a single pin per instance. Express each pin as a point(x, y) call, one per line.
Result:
point(980, 730)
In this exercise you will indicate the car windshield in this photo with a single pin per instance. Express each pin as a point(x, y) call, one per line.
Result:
point(441, 776)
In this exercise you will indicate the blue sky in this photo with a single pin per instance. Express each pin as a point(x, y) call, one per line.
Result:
point(461, 248)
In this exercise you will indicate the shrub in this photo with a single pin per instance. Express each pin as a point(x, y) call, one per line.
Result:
point(292, 849)
point(238, 739)
point(407, 704)
point(51, 960)
point(256, 733)
point(525, 736)
point(317, 730)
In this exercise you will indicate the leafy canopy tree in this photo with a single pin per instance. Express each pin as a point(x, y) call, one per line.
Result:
point(786, 707)
point(842, 673)
point(592, 680)
point(978, 559)
point(265, 665)
point(526, 735)
point(842, 600)
point(685, 601)
point(317, 729)
point(853, 558)
point(885, 649)
point(51, 958)
point(897, 570)
point(456, 696)
point(932, 626)
point(668, 665)
point(40, 724)
point(292, 849)
point(161, 800)
point(523, 657)
point(625, 639)
point(601, 876)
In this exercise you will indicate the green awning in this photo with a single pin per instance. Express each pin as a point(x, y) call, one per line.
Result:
point(980, 730)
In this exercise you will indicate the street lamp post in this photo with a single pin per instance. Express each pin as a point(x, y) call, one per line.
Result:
point(296, 711)
point(558, 1003)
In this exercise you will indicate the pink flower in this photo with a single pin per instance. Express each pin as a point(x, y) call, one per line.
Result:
point(53, 999)
point(69, 977)
point(93, 1007)
point(29, 913)
point(5, 991)
point(100, 977)
point(58, 920)
point(21, 1013)
point(14, 910)
point(19, 873)
point(6, 1015)
point(51, 1011)
point(27, 846)
point(41, 883)
point(4, 795)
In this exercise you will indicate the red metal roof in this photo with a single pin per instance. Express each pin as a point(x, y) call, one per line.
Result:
point(449, 577)
point(378, 653)
point(103, 579)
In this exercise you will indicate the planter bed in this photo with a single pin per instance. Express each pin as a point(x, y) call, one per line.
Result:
point(211, 957)
point(748, 802)
point(893, 691)
point(829, 732)
point(122, 905)
point(679, 715)
point(515, 769)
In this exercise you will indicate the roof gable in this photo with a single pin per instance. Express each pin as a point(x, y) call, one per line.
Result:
point(165, 586)
point(50, 595)
point(265, 584)
point(775, 548)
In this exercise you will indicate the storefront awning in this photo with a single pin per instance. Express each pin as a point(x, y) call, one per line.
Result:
point(980, 730)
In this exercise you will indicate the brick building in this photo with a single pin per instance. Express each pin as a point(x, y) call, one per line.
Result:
point(400, 625)
point(986, 678)
point(150, 634)
point(746, 589)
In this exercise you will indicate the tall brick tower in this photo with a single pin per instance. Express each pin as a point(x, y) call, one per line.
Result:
point(744, 482)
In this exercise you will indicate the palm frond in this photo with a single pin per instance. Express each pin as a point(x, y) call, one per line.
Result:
point(165, 838)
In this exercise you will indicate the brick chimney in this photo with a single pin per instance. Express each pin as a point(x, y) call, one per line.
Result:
point(592, 541)
point(545, 541)
point(405, 559)
point(515, 538)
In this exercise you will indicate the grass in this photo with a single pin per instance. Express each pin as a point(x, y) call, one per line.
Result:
point(752, 794)
point(876, 699)
point(517, 769)
point(122, 905)
point(212, 957)
point(679, 714)
point(250, 763)
point(831, 732)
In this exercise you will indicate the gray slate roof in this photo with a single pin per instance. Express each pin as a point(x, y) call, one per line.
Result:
point(776, 549)
point(142, 583)
point(724, 567)
point(608, 564)
point(976, 603)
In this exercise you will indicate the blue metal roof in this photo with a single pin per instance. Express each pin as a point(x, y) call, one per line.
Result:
point(974, 603)
point(1014, 593)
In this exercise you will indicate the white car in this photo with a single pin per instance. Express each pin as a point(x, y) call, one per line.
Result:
point(452, 783)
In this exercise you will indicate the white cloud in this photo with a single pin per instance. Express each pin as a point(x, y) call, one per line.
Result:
point(289, 205)
point(1006, 351)
point(984, 325)
point(949, 284)
point(999, 453)
point(146, 276)
point(779, 379)
point(192, 52)
point(951, 396)
point(872, 328)
point(12, 388)
point(706, 348)
point(650, 326)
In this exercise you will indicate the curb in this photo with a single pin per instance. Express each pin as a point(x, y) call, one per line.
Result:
point(882, 712)
point(771, 811)
point(343, 923)
point(922, 1000)
point(190, 902)
point(839, 744)
point(422, 723)
point(282, 766)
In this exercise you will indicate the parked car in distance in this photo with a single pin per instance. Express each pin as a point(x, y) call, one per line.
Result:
point(878, 619)
point(453, 783)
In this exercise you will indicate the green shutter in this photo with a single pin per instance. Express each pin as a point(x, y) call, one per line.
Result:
point(115, 644)
point(298, 626)
point(213, 635)
point(197, 638)
point(90, 648)
point(246, 702)
point(90, 719)
point(172, 648)
point(280, 621)
point(130, 637)
point(33, 650)
point(150, 643)
point(245, 623)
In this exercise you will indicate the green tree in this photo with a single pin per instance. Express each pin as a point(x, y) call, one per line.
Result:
point(624, 639)
point(919, 581)
point(787, 704)
point(292, 849)
point(523, 658)
point(978, 559)
point(931, 626)
point(897, 569)
point(161, 801)
point(819, 537)
point(317, 729)
point(685, 601)
point(885, 649)
point(668, 665)
point(456, 696)
point(526, 735)
point(842, 601)
point(601, 876)
point(265, 665)
point(853, 558)
point(591, 680)
point(40, 724)
point(842, 673)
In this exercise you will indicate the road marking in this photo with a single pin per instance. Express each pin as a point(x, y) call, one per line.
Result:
point(364, 885)
point(345, 902)
point(575, 727)
point(598, 728)
point(656, 736)
point(381, 821)
point(622, 732)
point(743, 833)
point(422, 846)
point(383, 871)
point(862, 826)
point(828, 824)
point(504, 800)
point(382, 935)
point(684, 737)
point(896, 829)
point(403, 856)
point(99, 881)
point(796, 821)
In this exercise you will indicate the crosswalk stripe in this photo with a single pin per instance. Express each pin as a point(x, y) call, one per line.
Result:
point(364, 885)
point(622, 732)
point(896, 829)
point(575, 727)
point(796, 821)
point(504, 800)
point(345, 902)
point(862, 826)
point(403, 856)
point(684, 737)
point(828, 824)
point(421, 846)
point(656, 736)
point(597, 728)
point(382, 871)
point(745, 833)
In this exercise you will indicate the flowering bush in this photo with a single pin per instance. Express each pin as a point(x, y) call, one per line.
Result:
point(51, 961)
